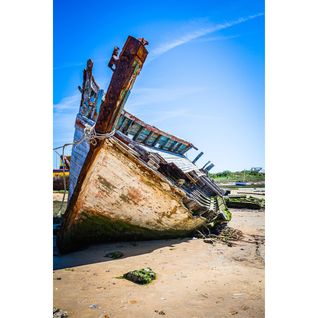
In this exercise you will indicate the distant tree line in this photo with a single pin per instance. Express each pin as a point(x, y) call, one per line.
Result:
point(244, 175)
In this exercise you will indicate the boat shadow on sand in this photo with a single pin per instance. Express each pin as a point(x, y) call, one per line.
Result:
point(97, 253)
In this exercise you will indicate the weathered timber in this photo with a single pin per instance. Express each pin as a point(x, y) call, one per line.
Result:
point(197, 157)
point(127, 68)
point(122, 199)
point(138, 132)
point(154, 130)
point(147, 137)
point(136, 184)
point(156, 140)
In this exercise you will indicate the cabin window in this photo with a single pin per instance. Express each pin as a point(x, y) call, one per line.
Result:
point(168, 144)
point(151, 139)
point(173, 145)
point(176, 147)
point(126, 125)
point(162, 141)
point(142, 135)
point(133, 128)
point(181, 148)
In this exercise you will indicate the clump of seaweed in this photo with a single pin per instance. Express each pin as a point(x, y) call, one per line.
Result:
point(142, 276)
point(226, 235)
point(232, 234)
point(115, 254)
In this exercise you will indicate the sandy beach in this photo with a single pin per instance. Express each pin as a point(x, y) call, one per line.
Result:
point(194, 279)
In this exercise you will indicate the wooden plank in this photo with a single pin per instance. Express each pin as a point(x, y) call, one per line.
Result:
point(127, 127)
point(155, 141)
point(172, 145)
point(138, 132)
point(148, 136)
point(163, 145)
point(156, 130)
point(177, 148)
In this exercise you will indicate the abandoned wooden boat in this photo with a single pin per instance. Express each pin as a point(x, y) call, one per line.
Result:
point(128, 179)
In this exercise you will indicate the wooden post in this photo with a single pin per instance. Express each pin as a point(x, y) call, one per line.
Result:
point(127, 126)
point(172, 145)
point(206, 164)
point(156, 140)
point(147, 137)
point(164, 144)
point(177, 148)
point(138, 132)
point(128, 66)
point(197, 157)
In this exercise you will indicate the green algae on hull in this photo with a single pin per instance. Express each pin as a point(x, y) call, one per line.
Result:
point(97, 228)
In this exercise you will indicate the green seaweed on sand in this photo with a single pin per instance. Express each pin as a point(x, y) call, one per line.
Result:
point(142, 276)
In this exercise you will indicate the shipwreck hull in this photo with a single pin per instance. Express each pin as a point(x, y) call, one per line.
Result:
point(129, 180)
point(122, 198)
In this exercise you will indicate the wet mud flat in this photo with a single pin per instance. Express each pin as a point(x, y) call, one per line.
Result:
point(193, 278)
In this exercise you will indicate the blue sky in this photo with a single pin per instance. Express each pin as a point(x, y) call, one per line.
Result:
point(203, 79)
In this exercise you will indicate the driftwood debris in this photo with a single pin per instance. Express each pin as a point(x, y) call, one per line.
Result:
point(228, 236)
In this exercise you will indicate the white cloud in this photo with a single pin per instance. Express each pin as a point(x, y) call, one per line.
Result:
point(64, 119)
point(167, 46)
point(217, 38)
point(69, 103)
point(150, 96)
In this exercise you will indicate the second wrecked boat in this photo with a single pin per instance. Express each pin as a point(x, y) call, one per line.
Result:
point(128, 179)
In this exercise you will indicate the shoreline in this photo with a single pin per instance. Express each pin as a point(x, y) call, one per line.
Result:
point(194, 279)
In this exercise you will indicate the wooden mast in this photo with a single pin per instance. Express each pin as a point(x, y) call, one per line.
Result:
point(127, 67)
